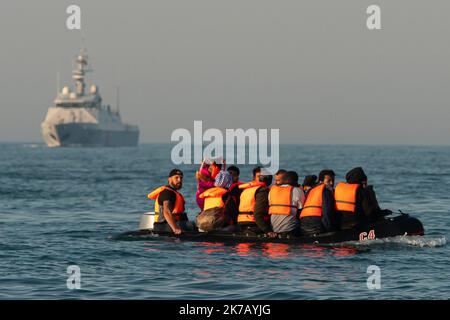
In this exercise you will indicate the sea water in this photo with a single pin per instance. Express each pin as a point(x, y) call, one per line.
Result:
point(62, 207)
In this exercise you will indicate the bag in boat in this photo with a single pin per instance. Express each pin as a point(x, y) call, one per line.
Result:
point(211, 219)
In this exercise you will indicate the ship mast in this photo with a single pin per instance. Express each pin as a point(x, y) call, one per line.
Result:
point(118, 100)
point(79, 73)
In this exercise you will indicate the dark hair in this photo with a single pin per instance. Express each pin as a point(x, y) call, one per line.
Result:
point(267, 179)
point(175, 172)
point(234, 169)
point(310, 181)
point(291, 178)
point(256, 170)
point(281, 171)
point(326, 172)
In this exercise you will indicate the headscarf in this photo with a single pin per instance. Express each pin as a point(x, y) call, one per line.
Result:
point(223, 179)
point(356, 175)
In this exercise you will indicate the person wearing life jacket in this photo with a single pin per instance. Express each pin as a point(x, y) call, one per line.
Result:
point(253, 207)
point(317, 214)
point(205, 179)
point(285, 201)
point(220, 197)
point(355, 201)
point(278, 176)
point(235, 192)
point(169, 205)
point(308, 183)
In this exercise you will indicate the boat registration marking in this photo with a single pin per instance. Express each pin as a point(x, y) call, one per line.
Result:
point(367, 236)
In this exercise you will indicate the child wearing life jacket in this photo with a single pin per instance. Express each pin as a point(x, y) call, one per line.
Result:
point(205, 180)
point(220, 209)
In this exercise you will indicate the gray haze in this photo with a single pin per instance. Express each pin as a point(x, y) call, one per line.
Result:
point(310, 68)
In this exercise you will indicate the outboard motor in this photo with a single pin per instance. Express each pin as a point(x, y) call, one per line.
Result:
point(147, 221)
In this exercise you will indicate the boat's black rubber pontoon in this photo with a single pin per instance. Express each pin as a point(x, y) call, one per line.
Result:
point(386, 227)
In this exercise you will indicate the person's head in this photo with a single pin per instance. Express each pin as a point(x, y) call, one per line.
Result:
point(223, 180)
point(327, 177)
point(175, 179)
point(290, 178)
point(256, 173)
point(235, 172)
point(266, 177)
point(278, 176)
point(356, 175)
point(309, 182)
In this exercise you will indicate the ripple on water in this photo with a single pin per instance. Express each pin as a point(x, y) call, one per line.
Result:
point(415, 241)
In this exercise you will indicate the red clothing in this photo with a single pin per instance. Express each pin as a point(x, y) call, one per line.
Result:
point(202, 186)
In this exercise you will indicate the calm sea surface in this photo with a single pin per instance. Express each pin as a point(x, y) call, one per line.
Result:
point(60, 207)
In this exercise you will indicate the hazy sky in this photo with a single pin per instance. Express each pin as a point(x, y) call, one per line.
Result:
point(310, 68)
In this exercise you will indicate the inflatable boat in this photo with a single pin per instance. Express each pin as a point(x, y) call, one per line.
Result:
point(402, 225)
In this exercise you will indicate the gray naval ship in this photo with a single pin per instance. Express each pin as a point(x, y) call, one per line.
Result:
point(79, 118)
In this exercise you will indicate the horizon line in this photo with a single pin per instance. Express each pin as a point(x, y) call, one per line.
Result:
point(281, 144)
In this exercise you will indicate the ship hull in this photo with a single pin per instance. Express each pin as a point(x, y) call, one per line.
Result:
point(88, 135)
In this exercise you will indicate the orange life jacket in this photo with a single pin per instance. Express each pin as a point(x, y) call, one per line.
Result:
point(280, 200)
point(215, 170)
point(234, 184)
point(213, 197)
point(345, 196)
point(178, 207)
point(247, 201)
point(313, 203)
point(251, 184)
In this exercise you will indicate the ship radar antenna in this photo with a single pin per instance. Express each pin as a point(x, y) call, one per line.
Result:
point(80, 70)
